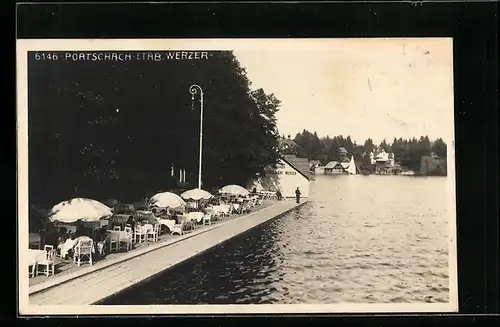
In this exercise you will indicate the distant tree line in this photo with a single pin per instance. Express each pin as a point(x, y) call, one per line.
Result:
point(114, 130)
point(407, 152)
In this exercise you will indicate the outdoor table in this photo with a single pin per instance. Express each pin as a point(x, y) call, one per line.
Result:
point(167, 222)
point(220, 209)
point(195, 215)
point(66, 246)
point(146, 227)
point(70, 245)
point(36, 256)
point(122, 236)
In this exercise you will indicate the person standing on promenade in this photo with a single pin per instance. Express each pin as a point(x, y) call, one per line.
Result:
point(297, 194)
point(278, 195)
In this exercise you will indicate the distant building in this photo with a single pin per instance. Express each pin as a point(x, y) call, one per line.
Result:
point(382, 156)
point(314, 163)
point(290, 172)
point(334, 167)
point(319, 170)
point(385, 164)
point(287, 146)
point(372, 158)
point(343, 155)
point(338, 167)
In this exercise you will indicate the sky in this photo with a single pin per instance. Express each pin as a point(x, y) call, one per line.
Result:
point(372, 87)
point(377, 88)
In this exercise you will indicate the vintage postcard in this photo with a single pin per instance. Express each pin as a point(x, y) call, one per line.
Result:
point(223, 176)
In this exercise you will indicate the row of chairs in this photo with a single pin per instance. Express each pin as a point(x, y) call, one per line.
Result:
point(141, 234)
point(81, 252)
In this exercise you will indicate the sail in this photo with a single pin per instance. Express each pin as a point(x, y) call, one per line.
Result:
point(352, 167)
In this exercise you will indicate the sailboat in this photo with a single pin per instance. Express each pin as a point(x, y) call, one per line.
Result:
point(352, 167)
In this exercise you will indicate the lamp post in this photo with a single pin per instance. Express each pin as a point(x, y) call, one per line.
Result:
point(194, 89)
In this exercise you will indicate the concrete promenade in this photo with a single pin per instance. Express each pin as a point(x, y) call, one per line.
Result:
point(91, 286)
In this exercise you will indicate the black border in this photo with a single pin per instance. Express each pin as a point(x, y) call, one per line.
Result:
point(472, 25)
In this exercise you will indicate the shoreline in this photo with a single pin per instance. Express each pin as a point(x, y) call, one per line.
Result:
point(128, 271)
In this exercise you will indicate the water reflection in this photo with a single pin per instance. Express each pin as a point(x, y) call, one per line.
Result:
point(359, 239)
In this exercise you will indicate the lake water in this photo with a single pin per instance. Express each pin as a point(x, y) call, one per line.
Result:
point(359, 239)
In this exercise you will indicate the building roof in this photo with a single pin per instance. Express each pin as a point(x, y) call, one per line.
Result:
point(342, 150)
point(341, 165)
point(382, 156)
point(345, 164)
point(289, 142)
point(301, 165)
point(331, 164)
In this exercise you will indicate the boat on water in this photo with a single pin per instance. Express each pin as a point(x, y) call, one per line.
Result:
point(352, 167)
point(408, 173)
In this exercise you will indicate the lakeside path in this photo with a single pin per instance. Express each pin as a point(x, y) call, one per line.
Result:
point(93, 286)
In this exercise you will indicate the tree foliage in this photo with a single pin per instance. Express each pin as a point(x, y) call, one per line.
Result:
point(310, 144)
point(113, 129)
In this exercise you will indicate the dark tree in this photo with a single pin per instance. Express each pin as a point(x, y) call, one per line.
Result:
point(310, 143)
point(439, 148)
point(113, 129)
point(369, 146)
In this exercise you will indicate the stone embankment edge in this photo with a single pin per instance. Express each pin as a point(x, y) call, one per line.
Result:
point(197, 254)
point(51, 284)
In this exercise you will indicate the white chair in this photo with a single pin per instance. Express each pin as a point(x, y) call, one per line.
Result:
point(178, 229)
point(48, 264)
point(230, 209)
point(226, 210)
point(139, 234)
point(245, 208)
point(207, 219)
point(114, 242)
point(100, 248)
point(83, 250)
point(48, 248)
point(125, 242)
point(153, 234)
point(32, 269)
point(128, 230)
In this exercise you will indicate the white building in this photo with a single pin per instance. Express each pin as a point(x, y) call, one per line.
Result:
point(290, 172)
point(334, 167)
point(385, 158)
point(372, 159)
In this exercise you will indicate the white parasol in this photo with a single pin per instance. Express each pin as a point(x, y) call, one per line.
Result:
point(196, 194)
point(234, 190)
point(79, 209)
point(167, 200)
